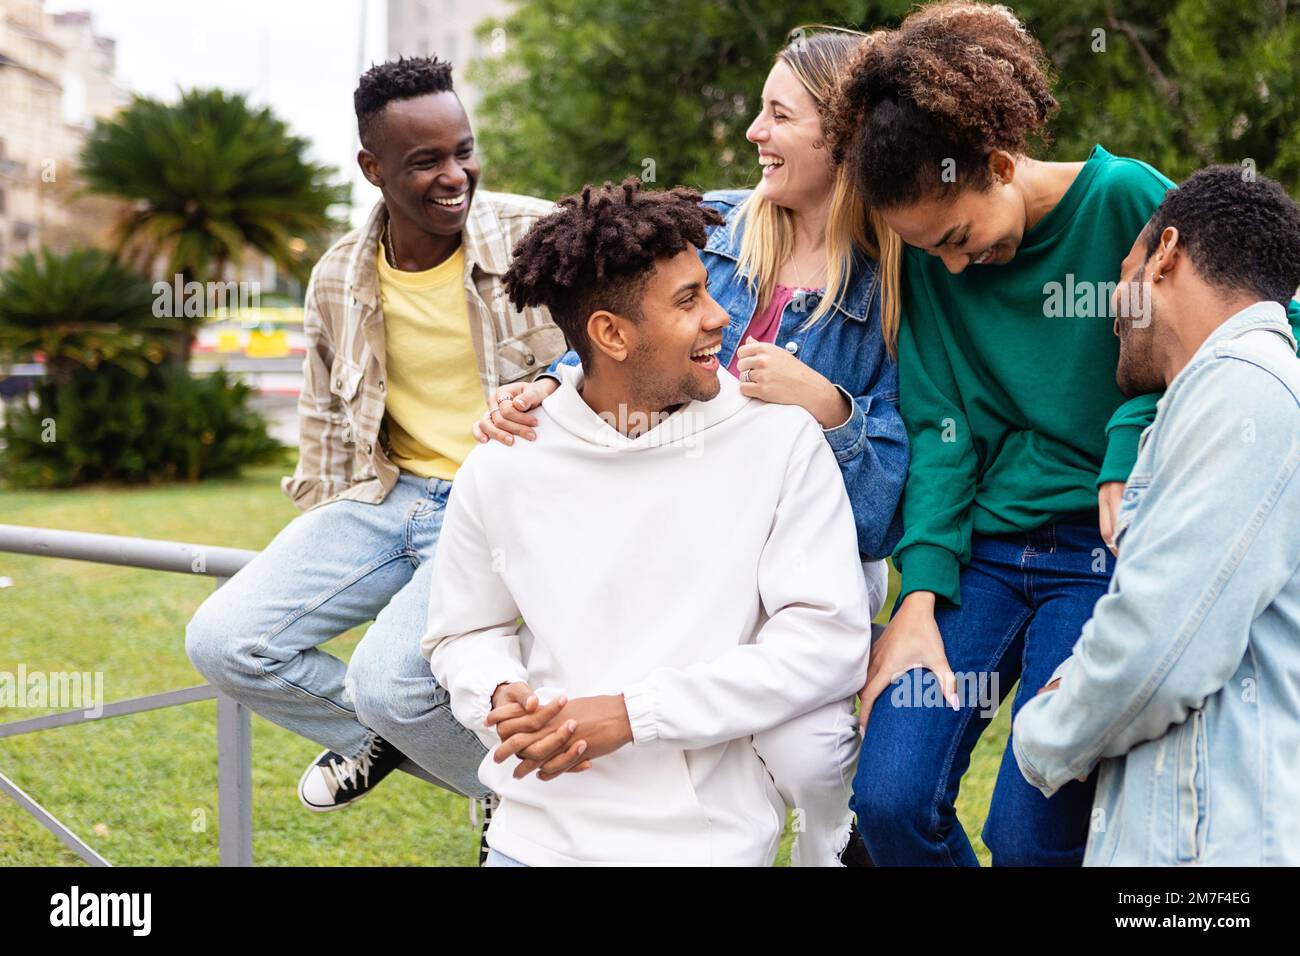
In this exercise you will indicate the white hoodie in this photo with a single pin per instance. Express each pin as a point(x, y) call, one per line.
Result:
point(707, 570)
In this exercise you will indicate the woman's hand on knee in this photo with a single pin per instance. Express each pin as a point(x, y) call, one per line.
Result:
point(911, 640)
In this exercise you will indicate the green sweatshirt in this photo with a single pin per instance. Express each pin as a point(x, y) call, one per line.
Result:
point(1007, 377)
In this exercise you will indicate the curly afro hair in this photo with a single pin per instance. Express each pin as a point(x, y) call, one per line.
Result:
point(399, 79)
point(598, 251)
point(1241, 231)
point(920, 108)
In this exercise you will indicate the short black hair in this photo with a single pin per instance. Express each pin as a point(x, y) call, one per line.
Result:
point(399, 79)
point(1241, 231)
point(598, 250)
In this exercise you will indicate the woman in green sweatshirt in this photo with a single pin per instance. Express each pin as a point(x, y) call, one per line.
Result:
point(1021, 439)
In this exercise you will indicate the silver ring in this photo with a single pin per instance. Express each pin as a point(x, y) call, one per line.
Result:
point(744, 376)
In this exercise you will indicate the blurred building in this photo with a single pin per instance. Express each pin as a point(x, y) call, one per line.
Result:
point(57, 76)
point(446, 29)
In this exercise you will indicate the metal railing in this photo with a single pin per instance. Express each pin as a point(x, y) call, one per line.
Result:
point(234, 736)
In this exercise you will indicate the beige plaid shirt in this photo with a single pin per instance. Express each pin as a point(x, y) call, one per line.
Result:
point(343, 449)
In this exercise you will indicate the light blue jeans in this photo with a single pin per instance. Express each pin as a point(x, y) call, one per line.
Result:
point(337, 566)
point(500, 859)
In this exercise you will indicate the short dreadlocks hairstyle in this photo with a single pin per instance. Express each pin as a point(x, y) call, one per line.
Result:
point(399, 79)
point(1241, 231)
point(598, 251)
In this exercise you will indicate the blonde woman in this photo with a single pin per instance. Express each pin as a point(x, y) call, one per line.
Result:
point(807, 276)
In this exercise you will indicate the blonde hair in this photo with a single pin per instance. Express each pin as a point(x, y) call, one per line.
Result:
point(817, 60)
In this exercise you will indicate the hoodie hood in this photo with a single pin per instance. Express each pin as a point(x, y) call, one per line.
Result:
point(571, 412)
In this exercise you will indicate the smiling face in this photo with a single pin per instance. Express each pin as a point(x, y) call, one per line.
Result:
point(671, 352)
point(973, 227)
point(797, 174)
point(424, 162)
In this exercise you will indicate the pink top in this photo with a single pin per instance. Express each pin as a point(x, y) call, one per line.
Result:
point(766, 324)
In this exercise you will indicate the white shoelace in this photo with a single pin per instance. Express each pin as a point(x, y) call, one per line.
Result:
point(347, 769)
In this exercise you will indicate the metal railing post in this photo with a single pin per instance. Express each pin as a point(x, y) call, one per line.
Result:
point(234, 726)
point(234, 780)
point(234, 783)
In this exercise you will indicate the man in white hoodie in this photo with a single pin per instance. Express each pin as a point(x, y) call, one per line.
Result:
point(684, 558)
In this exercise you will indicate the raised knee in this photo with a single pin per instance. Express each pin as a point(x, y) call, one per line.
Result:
point(211, 643)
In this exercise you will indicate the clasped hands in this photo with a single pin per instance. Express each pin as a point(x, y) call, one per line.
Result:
point(564, 736)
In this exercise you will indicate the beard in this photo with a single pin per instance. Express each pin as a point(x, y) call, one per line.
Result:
point(1137, 372)
point(658, 389)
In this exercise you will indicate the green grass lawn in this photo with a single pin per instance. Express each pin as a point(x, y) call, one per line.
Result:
point(142, 789)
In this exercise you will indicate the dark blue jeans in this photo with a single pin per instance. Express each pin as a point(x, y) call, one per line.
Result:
point(1024, 601)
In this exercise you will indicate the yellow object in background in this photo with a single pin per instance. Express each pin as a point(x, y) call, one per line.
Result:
point(273, 344)
point(228, 341)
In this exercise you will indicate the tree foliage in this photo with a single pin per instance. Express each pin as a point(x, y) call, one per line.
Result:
point(208, 177)
point(589, 90)
point(76, 311)
point(114, 426)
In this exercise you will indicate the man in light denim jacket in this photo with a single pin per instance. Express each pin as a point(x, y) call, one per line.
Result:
point(1185, 685)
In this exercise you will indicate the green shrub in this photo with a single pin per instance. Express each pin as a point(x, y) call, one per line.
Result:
point(78, 311)
point(113, 426)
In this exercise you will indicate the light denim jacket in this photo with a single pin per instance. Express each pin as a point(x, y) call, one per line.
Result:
point(848, 347)
point(1185, 684)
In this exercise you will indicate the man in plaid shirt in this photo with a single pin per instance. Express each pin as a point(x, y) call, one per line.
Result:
point(410, 336)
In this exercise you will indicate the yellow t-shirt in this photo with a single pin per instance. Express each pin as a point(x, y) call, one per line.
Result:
point(434, 391)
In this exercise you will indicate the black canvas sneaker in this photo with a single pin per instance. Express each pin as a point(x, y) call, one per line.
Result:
point(335, 781)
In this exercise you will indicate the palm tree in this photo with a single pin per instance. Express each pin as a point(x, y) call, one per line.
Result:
point(206, 179)
point(79, 311)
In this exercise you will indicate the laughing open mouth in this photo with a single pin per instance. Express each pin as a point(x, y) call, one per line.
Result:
point(450, 202)
point(707, 359)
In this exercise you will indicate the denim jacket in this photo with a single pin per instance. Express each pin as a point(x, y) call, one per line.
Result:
point(1185, 684)
point(848, 347)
